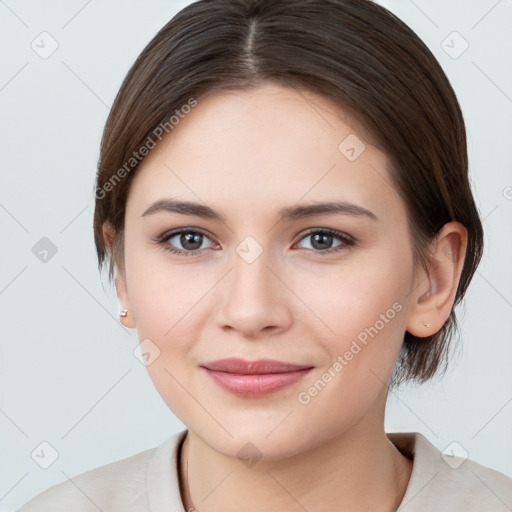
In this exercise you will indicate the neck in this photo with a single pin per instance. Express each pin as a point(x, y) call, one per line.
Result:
point(358, 470)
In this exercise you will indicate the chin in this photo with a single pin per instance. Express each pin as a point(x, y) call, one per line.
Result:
point(252, 442)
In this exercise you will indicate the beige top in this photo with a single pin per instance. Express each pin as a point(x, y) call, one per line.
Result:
point(148, 482)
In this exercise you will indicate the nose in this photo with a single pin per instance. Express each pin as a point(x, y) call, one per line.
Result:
point(252, 298)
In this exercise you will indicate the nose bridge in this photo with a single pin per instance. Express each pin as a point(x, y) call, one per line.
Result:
point(250, 265)
point(252, 300)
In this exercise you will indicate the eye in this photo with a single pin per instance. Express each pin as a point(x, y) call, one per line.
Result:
point(190, 240)
point(322, 240)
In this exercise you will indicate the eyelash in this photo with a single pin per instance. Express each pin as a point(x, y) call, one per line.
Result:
point(347, 240)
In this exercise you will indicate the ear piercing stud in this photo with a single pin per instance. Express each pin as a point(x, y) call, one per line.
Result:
point(124, 312)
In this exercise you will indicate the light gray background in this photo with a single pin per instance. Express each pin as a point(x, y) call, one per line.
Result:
point(68, 373)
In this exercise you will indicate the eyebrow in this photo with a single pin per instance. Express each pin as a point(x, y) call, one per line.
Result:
point(289, 213)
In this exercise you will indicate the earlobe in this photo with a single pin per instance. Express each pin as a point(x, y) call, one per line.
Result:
point(126, 316)
point(434, 292)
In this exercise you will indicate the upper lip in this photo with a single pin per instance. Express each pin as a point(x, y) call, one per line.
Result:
point(261, 366)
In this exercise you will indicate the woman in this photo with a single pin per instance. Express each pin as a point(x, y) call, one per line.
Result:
point(283, 195)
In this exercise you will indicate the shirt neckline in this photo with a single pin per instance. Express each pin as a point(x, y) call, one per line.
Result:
point(162, 475)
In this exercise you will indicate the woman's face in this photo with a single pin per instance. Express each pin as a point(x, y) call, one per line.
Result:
point(253, 286)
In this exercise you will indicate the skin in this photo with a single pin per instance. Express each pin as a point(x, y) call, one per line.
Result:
point(246, 155)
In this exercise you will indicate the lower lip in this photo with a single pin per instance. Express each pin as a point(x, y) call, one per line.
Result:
point(256, 385)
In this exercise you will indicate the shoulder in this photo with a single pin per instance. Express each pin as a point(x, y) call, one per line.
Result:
point(120, 486)
point(445, 482)
point(115, 484)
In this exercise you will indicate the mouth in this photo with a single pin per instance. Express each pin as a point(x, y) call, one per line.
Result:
point(254, 378)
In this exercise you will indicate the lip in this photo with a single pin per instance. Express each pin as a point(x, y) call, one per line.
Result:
point(254, 378)
point(244, 367)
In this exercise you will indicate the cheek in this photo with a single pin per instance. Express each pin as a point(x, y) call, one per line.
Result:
point(355, 299)
point(167, 308)
point(162, 294)
point(168, 303)
point(361, 358)
point(363, 312)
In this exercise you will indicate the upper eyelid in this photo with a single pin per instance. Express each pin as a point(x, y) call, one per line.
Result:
point(173, 232)
point(334, 232)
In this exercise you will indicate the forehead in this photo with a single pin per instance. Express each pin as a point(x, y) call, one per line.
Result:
point(268, 145)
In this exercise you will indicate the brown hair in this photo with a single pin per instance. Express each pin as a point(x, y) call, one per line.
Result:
point(354, 52)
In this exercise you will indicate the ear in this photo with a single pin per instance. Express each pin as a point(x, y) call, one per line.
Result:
point(120, 279)
point(434, 293)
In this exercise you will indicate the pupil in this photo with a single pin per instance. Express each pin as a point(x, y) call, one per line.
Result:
point(191, 238)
